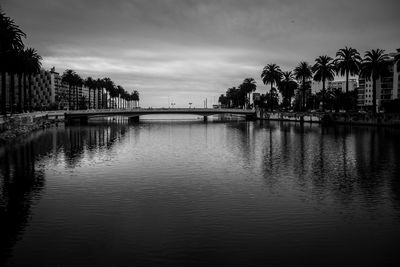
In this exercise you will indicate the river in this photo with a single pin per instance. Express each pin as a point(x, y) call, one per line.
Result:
point(186, 193)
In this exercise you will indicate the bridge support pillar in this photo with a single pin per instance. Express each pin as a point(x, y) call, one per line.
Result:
point(134, 119)
point(205, 118)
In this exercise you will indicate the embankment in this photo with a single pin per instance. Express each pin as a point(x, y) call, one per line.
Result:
point(22, 124)
point(381, 119)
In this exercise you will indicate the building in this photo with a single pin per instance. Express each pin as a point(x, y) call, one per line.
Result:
point(334, 85)
point(17, 91)
point(387, 88)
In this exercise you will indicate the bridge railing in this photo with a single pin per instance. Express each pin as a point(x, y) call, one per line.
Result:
point(149, 110)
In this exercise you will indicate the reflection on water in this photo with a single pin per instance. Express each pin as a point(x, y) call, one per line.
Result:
point(186, 192)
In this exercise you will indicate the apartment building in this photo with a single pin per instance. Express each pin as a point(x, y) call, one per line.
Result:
point(334, 85)
point(387, 87)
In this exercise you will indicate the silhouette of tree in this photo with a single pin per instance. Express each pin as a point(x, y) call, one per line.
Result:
point(10, 42)
point(303, 73)
point(91, 85)
point(271, 74)
point(324, 69)
point(348, 62)
point(287, 86)
point(248, 86)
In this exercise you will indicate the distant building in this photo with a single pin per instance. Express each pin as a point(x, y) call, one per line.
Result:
point(387, 88)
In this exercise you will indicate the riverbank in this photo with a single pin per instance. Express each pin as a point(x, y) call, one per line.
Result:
point(18, 125)
point(381, 119)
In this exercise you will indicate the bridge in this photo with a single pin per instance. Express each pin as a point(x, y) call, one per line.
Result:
point(134, 114)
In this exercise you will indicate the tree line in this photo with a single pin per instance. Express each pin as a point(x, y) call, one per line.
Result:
point(348, 62)
point(96, 87)
point(25, 62)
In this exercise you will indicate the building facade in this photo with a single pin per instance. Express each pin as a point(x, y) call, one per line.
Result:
point(387, 87)
point(334, 85)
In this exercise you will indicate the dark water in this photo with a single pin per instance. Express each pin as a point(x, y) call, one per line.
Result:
point(193, 193)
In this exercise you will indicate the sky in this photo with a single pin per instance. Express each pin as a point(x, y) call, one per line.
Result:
point(184, 51)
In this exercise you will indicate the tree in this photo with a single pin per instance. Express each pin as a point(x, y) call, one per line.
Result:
point(99, 86)
point(303, 73)
point(135, 96)
point(287, 86)
point(248, 86)
point(108, 84)
point(271, 74)
point(69, 78)
point(348, 62)
point(120, 91)
point(10, 42)
point(374, 66)
point(90, 83)
point(223, 100)
point(324, 69)
point(78, 82)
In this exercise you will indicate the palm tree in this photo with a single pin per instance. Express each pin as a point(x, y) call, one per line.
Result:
point(248, 86)
point(69, 78)
point(374, 66)
point(303, 73)
point(32, 66)
point(10, 42)
point(90, 84)
point(99, 86)
point(78, 82)
point(108, 84)
point(119, 93)
point(348, 62)
point(271, 74)
point(287, 86)
point(324, 69)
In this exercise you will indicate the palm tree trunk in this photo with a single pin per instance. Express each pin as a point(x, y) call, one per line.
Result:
point(25, 94)
point(77, 97)
point(347, 81)
point(69, 96)
point(304, 94)
point(323, 94)
point(3, 93)
point(12, 92)
point(373, 95)
point(30, 92)
point(270, 98)
point(89, 97)
point(20, 92)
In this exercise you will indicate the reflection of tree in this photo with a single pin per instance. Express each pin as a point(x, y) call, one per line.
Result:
point(77, 140)
point(21, 182)
point(346, 163)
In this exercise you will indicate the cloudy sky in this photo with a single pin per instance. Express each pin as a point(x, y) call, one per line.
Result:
point(189, 50)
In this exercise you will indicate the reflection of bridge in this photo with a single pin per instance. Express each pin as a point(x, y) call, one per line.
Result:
point(134, 114)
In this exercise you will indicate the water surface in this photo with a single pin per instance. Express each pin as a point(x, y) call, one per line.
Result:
point(184, 192)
